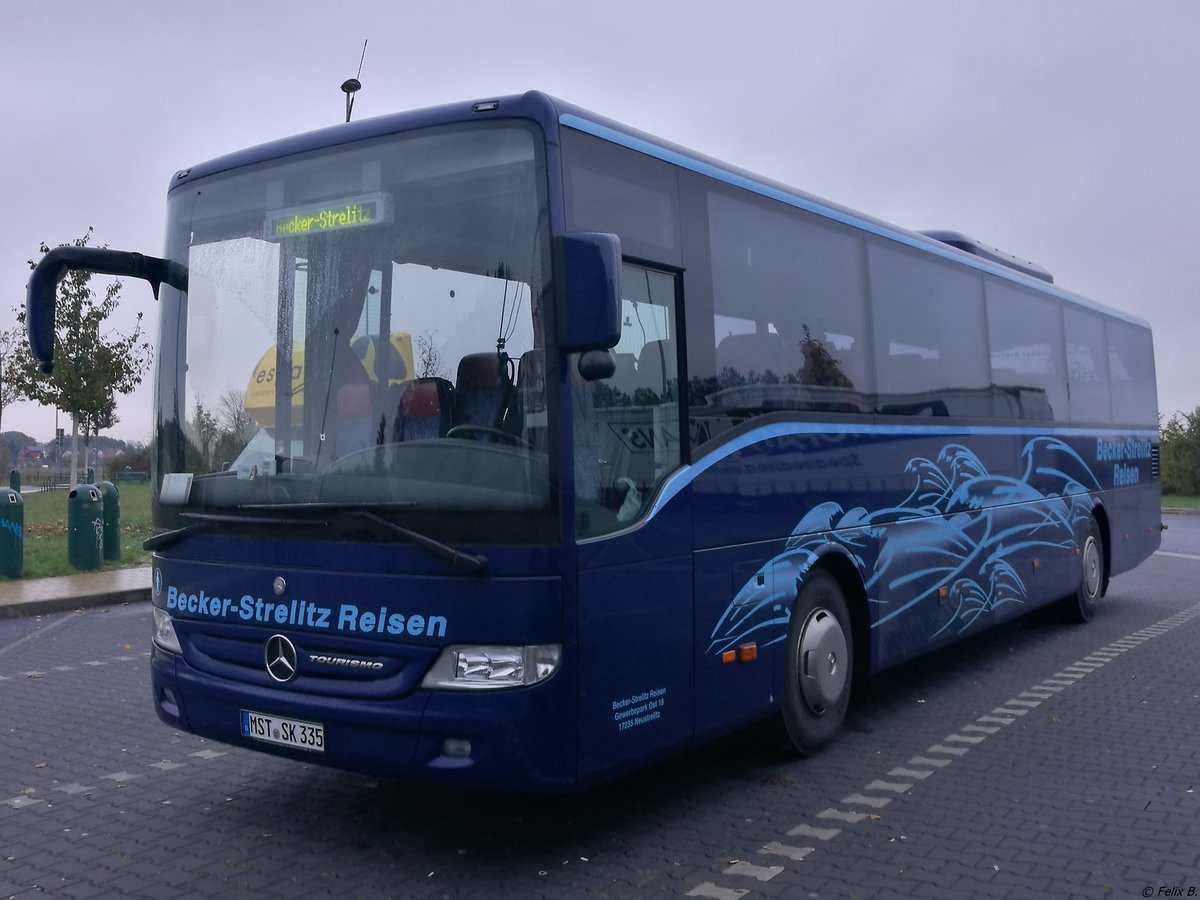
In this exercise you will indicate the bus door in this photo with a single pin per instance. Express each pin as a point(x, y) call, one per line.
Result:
point(635, 568)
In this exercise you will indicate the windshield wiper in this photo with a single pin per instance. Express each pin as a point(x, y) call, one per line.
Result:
point(339, 506)
point(207, 520)
point(472, 563)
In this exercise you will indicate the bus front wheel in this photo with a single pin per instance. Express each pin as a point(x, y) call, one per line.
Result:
point(819, 664)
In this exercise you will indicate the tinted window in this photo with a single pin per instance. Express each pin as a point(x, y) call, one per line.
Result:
point(1026, 335)
point(1087, 366)
point(787, 330)
point(930, 343)
point(612, 189)
point(1131, 374)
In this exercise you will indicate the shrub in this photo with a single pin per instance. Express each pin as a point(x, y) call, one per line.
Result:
point(1179, 454)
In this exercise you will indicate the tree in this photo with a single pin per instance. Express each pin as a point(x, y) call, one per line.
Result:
point(820, 366)
point(14, 357)
point(1179, 454)
point(429, 356)
point(235, 427)
point(91, 364)
point(233, 418)
point(207, 430)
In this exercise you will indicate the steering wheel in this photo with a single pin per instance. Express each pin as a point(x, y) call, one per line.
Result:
point(494, 433)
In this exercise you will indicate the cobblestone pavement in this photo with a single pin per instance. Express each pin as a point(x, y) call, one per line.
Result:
point(1036, 760)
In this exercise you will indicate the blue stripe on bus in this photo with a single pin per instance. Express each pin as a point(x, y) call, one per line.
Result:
point(741, 181)
point(686, 475)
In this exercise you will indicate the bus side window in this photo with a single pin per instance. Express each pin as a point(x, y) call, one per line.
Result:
point(786, 329)
point(1025, 333)
point(931, 352)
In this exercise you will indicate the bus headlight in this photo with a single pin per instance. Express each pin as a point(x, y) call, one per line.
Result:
point(491, 668)
point(164, 631)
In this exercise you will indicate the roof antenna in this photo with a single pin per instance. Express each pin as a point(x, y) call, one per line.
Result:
point(351, 85)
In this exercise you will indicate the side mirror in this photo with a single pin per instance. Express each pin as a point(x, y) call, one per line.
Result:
point(42, 290)
point(587, 267)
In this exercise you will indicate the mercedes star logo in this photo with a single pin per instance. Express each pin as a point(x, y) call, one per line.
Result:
point(281, 658)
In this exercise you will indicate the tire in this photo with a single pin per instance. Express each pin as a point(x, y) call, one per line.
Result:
point(1081, 606)
point(819, 665)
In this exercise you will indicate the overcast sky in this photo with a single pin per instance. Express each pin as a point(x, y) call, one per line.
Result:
point(1064, 131)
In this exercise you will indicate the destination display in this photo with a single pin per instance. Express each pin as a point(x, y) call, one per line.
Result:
point(336, 215)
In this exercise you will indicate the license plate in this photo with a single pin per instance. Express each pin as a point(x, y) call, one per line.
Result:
point(287, 732)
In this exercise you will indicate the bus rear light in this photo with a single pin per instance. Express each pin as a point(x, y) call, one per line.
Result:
point(164, 632)
point(728, 656)
point(492, 668)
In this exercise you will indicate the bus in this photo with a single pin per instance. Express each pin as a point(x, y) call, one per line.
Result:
point(666, 449)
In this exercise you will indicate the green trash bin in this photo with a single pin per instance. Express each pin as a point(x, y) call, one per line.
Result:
point(12, 533)
point(14, 480)
point(110, 497)
point(85, 527)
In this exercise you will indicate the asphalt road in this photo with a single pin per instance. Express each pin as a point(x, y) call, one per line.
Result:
point(1036, 760)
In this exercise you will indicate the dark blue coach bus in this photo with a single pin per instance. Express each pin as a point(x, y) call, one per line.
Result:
point(498, 444)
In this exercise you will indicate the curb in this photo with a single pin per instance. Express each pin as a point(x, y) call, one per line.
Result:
point(60, 593)
point(43, 606)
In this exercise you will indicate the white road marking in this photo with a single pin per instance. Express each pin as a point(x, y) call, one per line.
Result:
point(715, 892)
point(821, 834)
point(759, 873)
point(793, 853)
point(861, 800)
point(901, 772)
point(841, 815)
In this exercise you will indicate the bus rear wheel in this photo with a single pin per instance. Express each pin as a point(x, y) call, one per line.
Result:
point(1081, 606)
point(819, 665)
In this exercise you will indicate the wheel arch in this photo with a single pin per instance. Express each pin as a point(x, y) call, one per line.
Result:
point(1100, 514)
point(837, 563)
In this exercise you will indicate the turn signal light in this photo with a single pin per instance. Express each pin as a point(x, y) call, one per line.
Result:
point(741, 653)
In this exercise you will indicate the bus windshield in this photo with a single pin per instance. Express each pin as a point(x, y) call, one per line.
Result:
point(362, 327)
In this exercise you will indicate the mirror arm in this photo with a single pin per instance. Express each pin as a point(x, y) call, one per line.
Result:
point(42, 289)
